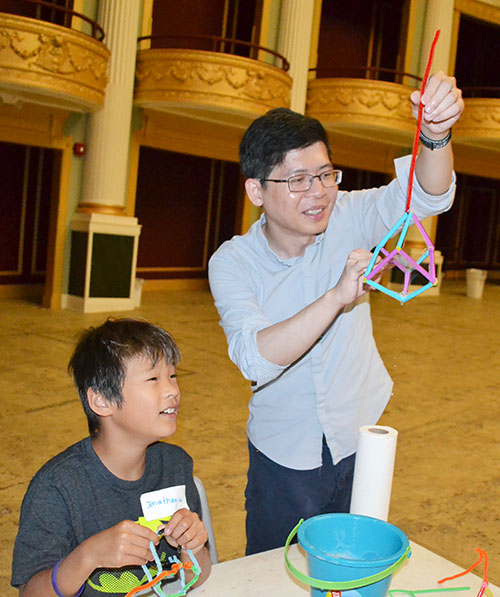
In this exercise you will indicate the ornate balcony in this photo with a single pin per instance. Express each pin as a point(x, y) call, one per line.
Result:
point(480, 123)
point(378, 113)
point(48, 64)
point(476, 136)
point(365, 108)
point(211, 85)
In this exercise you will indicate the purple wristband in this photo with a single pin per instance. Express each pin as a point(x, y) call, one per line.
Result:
point(53, 580)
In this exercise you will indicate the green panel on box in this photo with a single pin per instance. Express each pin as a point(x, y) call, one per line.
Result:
point(78, 263)
point(111, 270)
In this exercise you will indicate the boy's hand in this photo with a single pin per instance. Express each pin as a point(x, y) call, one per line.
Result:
point(185, 529)
point(125, 544)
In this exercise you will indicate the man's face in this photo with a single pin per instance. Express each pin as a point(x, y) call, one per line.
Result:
point(295, 218)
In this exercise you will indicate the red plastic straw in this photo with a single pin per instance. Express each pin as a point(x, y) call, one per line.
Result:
point(419, 120)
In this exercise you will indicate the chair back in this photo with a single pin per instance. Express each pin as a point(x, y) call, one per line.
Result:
point(207, 520)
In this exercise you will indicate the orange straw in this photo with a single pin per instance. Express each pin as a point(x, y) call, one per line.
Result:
point(175, 568)
point(149, 584)
point(482, 556)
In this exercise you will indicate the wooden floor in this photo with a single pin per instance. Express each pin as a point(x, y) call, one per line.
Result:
point(442, 352)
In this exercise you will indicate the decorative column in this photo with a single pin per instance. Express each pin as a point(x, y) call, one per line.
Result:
point(104, 240)
point(438, 15)
point(294, 43)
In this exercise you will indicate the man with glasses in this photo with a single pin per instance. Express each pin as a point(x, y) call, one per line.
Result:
point(295, 311)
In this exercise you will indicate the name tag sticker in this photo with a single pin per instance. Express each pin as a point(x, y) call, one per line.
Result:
point(163, 502)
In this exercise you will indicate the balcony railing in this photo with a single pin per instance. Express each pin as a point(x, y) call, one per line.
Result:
point(376, 73)
point(481, 92)
point(387, 74)
point(53, 13)
point(215, 43)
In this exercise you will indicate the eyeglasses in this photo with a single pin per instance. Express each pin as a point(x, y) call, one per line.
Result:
point(303, 182)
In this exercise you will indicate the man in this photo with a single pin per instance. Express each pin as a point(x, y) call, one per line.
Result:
point(292, 303)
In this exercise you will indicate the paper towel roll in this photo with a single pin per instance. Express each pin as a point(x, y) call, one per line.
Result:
point(373, 471)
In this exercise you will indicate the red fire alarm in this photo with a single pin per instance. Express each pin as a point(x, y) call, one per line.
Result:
point(79, 149)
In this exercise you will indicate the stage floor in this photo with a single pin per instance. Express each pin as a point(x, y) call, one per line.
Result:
point(442, 352)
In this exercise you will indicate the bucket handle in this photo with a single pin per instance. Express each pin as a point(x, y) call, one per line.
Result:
point(339, 585)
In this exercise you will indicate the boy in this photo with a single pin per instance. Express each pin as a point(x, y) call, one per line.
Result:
point(292, 303)
point(77, 531)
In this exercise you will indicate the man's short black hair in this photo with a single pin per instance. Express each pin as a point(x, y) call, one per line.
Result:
point(269, 138)
point(100, 358)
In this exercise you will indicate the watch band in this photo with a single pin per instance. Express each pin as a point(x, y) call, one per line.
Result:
point(433, 143)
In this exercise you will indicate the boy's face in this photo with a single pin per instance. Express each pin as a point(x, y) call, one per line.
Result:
point(151, 399)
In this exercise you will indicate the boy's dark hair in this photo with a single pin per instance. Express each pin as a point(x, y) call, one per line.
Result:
point(269, 138)
point(100, 357)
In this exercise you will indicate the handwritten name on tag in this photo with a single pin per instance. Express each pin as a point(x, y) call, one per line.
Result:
point(163, 502)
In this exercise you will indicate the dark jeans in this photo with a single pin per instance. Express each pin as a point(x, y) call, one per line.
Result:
point(277, 497)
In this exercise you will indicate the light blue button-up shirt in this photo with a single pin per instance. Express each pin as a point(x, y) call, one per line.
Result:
point(341, 382)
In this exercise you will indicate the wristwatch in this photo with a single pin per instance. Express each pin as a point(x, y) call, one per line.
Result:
point(435, 144)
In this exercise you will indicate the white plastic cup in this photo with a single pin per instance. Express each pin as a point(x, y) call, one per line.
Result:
point(475, 282)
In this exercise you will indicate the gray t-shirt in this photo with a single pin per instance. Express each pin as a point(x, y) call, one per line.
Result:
point(74, 496)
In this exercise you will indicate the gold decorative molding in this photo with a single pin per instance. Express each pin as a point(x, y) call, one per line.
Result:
point(48, 64)
point(98, 208)
point(476, 137)
point(220, 84)
point(479, 10)
point(362, 105)
point(379, 114)
point(479, 121)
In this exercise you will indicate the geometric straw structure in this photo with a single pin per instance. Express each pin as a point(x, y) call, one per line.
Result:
point(403, 261)
point(398, 257)
point(176, 567)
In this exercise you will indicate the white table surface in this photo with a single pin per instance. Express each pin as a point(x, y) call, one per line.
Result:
point(266, 575)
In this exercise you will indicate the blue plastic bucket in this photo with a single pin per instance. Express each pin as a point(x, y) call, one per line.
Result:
point(349, 554)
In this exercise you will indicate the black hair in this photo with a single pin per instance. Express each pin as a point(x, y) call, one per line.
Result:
point(99, 360)
point(269, 138)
